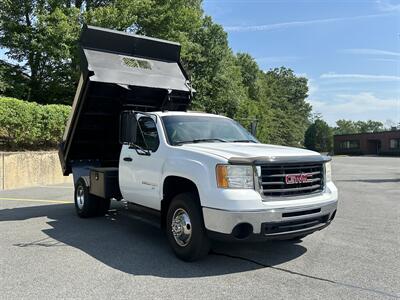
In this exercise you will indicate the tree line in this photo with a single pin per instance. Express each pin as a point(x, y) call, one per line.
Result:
point(40, 37)
point(319, 135)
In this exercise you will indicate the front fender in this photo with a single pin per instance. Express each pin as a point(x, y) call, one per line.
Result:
point(202, 175)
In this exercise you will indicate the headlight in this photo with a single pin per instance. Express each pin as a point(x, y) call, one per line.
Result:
point(235, 177)
point(328, 172)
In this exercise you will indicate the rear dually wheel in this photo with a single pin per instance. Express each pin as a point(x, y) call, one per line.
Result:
point(86, 204)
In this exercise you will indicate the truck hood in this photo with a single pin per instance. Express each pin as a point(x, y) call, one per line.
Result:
point(249, 151)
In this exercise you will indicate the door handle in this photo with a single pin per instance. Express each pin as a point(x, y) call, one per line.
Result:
point(127, 159)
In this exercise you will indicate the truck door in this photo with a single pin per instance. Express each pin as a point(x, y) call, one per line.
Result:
point(140, 170)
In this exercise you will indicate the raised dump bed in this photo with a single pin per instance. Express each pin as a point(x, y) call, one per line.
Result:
point(119, 71)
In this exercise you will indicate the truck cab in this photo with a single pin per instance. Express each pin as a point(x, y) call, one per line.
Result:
point(204, 175)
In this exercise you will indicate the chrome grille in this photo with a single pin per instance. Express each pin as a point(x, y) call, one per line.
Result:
point(273, 179)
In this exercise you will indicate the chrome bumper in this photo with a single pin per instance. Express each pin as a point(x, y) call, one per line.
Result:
point(224, 222)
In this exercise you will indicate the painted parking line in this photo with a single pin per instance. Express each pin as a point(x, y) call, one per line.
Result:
point(37, 200)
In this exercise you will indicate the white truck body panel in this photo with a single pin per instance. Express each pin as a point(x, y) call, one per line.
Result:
point(141, 181)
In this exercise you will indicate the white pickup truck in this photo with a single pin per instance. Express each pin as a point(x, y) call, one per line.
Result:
point(204, 175)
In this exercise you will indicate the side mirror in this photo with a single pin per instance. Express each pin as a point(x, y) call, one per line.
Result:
point(128, 127)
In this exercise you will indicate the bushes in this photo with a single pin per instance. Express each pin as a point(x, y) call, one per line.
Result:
point(28, 125)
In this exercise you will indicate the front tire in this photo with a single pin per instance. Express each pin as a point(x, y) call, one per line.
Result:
point(185, 228)
point(86, 204)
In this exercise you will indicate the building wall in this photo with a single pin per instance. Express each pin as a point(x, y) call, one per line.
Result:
point(31, 168)
point(368, 143)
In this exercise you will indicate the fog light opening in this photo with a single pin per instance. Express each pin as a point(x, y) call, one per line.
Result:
point(242, 231)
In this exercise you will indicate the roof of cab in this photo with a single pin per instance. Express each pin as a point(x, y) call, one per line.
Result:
point(186, 113)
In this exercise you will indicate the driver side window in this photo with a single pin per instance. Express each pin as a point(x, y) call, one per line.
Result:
point(147, 138)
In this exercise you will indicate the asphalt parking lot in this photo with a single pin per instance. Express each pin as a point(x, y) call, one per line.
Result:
point(46, 251)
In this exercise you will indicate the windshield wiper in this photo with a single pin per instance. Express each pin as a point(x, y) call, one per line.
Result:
point(208, 140)
point(243, 141)
point(199, 141)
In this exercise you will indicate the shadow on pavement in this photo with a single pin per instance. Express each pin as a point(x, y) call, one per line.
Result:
point(136, 247)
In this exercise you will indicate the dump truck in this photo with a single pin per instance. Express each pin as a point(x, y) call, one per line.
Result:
point(131, 137)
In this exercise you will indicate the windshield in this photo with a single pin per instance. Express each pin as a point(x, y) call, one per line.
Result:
point(196, 129)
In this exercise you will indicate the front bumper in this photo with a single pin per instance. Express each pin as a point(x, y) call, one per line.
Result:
point(277, 223)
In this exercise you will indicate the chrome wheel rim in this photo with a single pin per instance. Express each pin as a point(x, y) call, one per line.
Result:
point(80, 197)
point(181, 227)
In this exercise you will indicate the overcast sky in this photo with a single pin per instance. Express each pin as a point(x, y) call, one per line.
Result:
point(349, 50)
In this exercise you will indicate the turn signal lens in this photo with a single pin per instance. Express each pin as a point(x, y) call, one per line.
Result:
point(222, 176)
point(235, 177)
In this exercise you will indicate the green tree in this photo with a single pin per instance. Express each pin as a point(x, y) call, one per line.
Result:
point(350, 127)
point(286, 94)
point(368, 126)
point(215, 73)
point(319, 137)
point(122, 15)
point(249, 111)
point(41, 37)
point(178, 20)
point(345, 127)
point(250, 73)
point(13, 80)
point(279, 106)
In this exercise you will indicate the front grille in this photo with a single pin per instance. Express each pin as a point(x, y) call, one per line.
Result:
point(287, 227)
point(273, 179)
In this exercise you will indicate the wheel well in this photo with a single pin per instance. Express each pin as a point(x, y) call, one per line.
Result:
point(174, 185)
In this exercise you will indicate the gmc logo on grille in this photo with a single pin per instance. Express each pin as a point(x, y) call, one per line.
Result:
point(298, 178)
